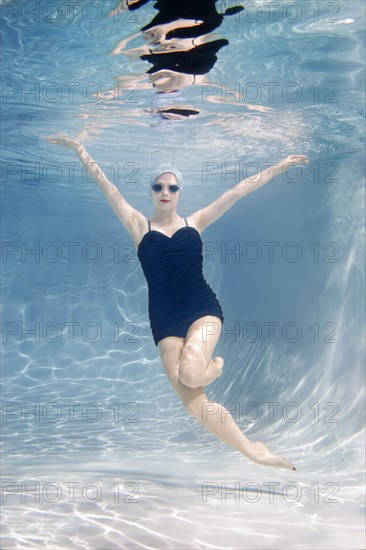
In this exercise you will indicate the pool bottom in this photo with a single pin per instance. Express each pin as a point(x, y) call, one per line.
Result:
point(167, 501)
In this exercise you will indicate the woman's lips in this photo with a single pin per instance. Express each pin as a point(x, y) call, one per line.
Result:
point(164, 200)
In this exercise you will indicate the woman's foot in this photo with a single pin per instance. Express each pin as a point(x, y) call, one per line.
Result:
point(262, 455)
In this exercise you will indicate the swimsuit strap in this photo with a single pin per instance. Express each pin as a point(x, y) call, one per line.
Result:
point(185, 219)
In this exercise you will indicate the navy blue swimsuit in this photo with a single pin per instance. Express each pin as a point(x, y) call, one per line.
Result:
point(178, 291)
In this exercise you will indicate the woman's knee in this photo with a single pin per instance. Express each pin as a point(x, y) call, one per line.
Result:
point(190, 368)
point(190, 375)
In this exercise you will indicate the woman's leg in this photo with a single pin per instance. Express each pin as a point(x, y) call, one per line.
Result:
point(196, 368)
point(214, 417)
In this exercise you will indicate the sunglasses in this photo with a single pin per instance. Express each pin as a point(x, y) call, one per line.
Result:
point(157, 187)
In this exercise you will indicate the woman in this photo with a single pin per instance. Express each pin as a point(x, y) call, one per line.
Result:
point(185, 316)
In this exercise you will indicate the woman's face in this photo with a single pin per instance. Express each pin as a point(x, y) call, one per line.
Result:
point(165, 199)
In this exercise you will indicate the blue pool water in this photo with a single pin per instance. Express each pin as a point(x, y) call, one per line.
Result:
point(98, 451)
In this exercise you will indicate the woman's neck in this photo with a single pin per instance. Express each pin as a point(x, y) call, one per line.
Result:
point(165, 218)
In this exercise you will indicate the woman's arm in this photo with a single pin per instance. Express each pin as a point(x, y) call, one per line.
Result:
point(131, 218)
point(204, 217)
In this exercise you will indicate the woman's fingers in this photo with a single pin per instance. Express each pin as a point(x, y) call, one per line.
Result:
point(57, 138)
point(293, 160)
point(296, 159)
point(62, 139)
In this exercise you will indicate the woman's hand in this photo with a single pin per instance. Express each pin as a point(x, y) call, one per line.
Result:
point(292, 160)
point(62, 139)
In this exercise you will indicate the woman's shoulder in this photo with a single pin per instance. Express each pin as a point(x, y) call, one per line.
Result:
point(193, 222)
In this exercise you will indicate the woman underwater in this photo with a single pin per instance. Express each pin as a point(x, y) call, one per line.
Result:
point(170, 252)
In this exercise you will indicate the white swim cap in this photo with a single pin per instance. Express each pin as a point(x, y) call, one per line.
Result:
point(167, 168)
